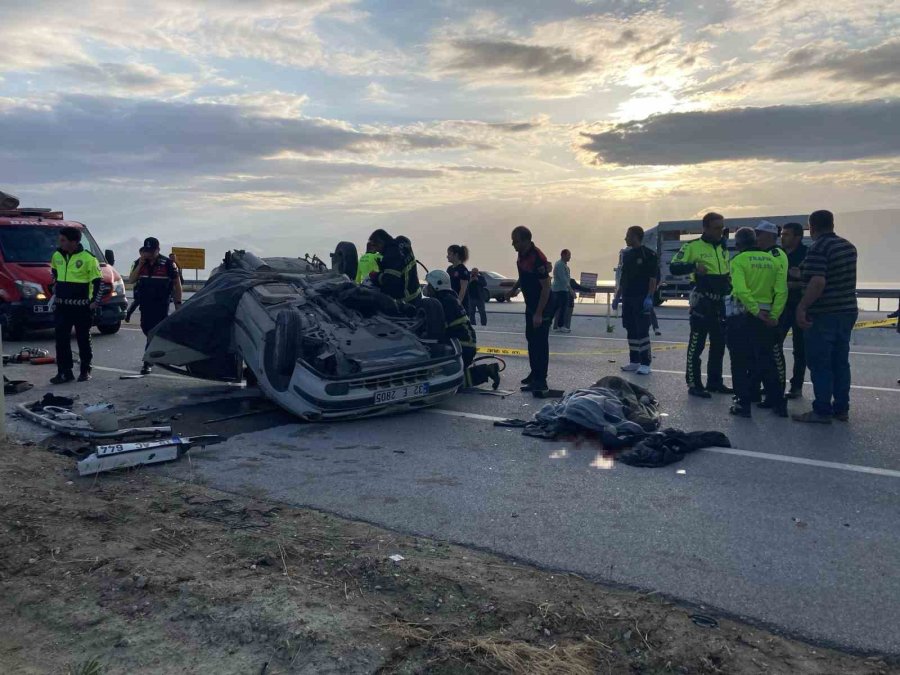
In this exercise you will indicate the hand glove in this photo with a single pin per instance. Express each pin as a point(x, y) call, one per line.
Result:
point(615, 304)
point(648, 304)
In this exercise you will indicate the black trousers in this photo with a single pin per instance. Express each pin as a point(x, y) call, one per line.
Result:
point(80, 318)
point(560, 300)
point(538, 347)
point(151, 315)
point(788, 323)
point(706, 322)
point(751, 344)
point(637, 327)
point(475, 301)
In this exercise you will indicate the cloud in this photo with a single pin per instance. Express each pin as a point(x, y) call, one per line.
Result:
point(877, 66)
point(125, 78)
point(515, 58)
point(813, 133)
point(481, 169)
point(101, 136)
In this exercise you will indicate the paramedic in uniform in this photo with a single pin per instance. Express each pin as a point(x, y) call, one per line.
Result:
point(637, 284)
point(156, 282)
point(757, 300)
point(76, 290)
point(706, 260)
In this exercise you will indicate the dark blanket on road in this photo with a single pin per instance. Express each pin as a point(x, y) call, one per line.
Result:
point(625, 418)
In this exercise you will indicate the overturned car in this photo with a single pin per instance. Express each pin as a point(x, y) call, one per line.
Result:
point(317, 344)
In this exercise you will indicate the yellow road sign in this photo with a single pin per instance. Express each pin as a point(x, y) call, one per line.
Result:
point(190, 258)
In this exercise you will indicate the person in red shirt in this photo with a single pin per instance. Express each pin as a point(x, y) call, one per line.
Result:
point(534, 282)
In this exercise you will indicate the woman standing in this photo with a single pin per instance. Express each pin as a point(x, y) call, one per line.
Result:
point(459, 273)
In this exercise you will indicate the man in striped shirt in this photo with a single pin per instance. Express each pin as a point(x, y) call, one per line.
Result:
point(827, 313)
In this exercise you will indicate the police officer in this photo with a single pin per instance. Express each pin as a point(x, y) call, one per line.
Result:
point(76, 290)
point(756, 302)
point(156, 282)
point(397, 275)
point(706, 260)
point(439, 286)
point(767, 240)
point(637, 284)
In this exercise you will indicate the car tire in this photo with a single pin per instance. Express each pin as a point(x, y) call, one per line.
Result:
point(109, 328)
point(288, 325)
point(434, 325)
point(345, 259)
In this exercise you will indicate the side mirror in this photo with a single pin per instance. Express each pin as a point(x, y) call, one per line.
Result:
point(110, 257)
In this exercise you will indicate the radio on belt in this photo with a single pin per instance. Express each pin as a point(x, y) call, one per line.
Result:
point(124, 455)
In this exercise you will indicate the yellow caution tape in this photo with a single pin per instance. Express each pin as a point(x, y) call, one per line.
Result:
point(876, 323)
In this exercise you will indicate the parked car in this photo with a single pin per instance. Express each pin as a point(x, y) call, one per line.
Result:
point(317, 344)
point(497, 286)
point(28, 238)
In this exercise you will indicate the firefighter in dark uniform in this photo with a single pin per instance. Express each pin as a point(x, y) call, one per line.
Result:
point(458, 326)
point(76, 290)
point(397, 275)
point(757, 300)
point(706, 260)
point(156, 283)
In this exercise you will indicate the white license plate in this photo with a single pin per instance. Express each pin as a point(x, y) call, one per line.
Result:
point(41, 309)
point(392, 395)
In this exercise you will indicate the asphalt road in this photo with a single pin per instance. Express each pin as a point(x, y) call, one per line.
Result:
point(797, 527)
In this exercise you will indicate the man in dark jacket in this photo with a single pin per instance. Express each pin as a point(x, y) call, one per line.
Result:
point(397, 275)
point(156, 283)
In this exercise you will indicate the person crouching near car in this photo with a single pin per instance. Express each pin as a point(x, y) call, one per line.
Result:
point(457, 325)
point(156, 281)
point(76, 290)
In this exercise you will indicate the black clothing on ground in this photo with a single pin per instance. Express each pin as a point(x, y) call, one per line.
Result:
point(639, 266)
point(398, 276)
point(458, 274)
point(670, 446)
point(637, 327)
point(80, 318)
point(751, 344)
point(538, 347)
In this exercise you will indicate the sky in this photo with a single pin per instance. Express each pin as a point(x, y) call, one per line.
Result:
point(285, 126)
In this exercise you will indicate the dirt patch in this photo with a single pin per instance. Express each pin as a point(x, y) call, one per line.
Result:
point(135, 573)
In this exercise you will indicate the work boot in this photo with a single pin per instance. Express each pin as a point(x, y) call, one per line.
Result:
point(841, 416)
point(63, 378)
point(535, 386)
point(719, 389)
point(146, 369)
point(812, 417)
point(699, 392)
point(84, 375)
point(780, 409)
point(528, 379)
point(631, 367)
point(494, 374)
point(741, 410)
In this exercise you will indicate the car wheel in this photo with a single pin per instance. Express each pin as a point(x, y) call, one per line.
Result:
point(109, 328)
point(288, 325)
point(433, 321)
point(345, 259)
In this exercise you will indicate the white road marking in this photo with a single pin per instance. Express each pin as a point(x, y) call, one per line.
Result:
point(658, 342)
point(895, 390)
point(857, 468)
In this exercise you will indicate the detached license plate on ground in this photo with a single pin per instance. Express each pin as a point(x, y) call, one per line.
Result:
point(42, 309)
point(392, 395)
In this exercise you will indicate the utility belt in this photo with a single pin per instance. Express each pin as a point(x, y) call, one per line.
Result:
point(733, 307)
point(705, 303)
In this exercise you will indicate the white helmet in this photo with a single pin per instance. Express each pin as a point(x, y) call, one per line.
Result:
point(439, 280)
